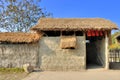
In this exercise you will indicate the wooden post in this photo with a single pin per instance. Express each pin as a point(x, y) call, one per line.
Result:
point(85, 58)
point(106, 51)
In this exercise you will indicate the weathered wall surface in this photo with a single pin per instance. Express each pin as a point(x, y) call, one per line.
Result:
point(15, 55)
point(52, 57)
point(100, 45)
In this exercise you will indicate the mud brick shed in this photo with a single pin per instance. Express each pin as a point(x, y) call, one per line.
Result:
point(60, 44)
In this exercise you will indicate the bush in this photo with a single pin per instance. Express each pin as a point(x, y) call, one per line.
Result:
point(114, 47)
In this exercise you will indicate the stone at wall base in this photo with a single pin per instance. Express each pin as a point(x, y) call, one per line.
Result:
point(28, 68)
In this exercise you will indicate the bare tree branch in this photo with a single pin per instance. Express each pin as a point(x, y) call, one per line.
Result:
point(20, 15)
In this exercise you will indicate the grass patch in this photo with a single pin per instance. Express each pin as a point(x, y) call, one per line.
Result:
point(11, 70)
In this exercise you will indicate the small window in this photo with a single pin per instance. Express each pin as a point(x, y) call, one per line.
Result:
point(67, 33)
point(64, 33)
point(52, 33)
point(70, 33)
point(79, 33)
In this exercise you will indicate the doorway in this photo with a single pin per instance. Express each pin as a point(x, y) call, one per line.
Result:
point(95, 52)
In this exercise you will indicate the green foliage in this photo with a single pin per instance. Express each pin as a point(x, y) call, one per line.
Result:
point(11, 70)
point(115, 45)
point(20, 15)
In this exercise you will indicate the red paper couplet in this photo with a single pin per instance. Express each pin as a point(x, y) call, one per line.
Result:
point(101, 34)
point(96, 33)
point(93, 33)
point(89, 33)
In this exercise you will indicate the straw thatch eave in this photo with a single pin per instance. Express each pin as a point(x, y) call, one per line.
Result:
point(76, 24)
point(19, 37)
point(75, 29)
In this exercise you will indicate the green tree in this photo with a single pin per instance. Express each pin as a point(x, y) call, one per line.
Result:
point(20, 15)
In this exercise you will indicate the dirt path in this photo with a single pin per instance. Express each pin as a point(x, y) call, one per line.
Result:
point(84, 75)
point(12, 75)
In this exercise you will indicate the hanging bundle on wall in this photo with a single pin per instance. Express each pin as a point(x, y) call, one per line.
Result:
point(68, 42)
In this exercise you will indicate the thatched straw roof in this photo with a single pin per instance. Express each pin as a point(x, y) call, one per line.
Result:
point(76, 24)
point(19, 37)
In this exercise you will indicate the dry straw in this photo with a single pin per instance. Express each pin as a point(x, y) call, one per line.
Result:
point(68, 42)
point(76, 24)
point(19, 37)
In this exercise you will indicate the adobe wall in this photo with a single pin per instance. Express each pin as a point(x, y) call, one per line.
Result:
point(52, 57)
point(15, 55)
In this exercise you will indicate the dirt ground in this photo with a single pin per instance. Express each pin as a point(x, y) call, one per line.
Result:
point(12, 75)
point(84, 75)
point(70, 75)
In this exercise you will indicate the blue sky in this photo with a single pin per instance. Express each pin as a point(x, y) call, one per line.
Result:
point(108, 9)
